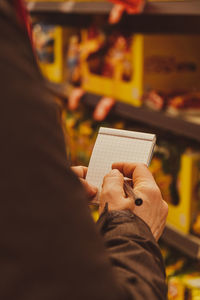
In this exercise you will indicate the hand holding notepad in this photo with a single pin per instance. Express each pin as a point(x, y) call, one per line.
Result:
point(114, 145)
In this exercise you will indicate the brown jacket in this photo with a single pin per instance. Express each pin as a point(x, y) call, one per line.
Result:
point(50, 248)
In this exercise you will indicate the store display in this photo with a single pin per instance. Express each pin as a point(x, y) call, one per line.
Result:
point(103, 108)
point(82, 131)
point(51, 44)
point(131, 6)
point(109, 62)
point(80, 134)
point(64, 0)
point(185, 214)
point(165, 168)
point(177, 103)
point(159, 72)
point(183, 275)
point(93, 61)
point(187, 104)
point(177, 173)
point(72, 70)
point(110, 70)
point(130, 66)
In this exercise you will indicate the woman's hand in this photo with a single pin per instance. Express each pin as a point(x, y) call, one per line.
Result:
point(154, 209)
point(81, 172)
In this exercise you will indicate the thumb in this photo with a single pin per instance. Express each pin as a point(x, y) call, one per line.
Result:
point(113, 183)
point(113, 193)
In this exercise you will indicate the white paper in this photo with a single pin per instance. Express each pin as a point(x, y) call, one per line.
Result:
point(116, 145)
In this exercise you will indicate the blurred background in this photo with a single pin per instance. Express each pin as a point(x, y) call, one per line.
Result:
point(134, 67)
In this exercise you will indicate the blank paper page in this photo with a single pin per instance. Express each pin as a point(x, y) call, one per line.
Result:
point(115, 145)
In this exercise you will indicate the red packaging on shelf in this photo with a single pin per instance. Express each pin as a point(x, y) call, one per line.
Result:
point(131, 6)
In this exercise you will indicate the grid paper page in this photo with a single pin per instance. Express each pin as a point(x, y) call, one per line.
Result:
point(113, 145)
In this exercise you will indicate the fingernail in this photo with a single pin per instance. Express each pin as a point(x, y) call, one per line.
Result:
point(115, 172)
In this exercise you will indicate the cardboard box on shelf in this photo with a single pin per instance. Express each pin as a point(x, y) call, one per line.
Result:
point(164, 63)
point(109, 70)
point(153, 62)
point(183, 215)
point(51, 44)
point(176, 170)
point(131, 89)
point(92, 60)
point(171, 62)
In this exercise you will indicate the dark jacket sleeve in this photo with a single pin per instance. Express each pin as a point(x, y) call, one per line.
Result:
point(134, 253)
point(50, 248)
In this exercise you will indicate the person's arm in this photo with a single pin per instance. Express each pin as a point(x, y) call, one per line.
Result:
point(50, 248)
point(130, 231)
point(130, 242)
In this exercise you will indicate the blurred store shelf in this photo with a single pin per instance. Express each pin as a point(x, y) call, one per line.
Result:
point(158, 16)
point(149, 117)
point(159, 7)
point(173, 8)
point(70, 7)
point(139, 114)
point(187, 244)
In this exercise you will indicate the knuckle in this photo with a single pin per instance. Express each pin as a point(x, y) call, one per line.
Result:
point(112, 178)
point(155, 192)
point(165, 208)
point(140, 165)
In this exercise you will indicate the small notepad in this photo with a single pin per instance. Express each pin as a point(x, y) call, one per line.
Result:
point(116, 145)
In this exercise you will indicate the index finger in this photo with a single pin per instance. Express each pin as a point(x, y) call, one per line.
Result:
point(137, 171)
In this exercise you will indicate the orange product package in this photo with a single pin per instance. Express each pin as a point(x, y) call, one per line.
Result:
point(131, 6)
